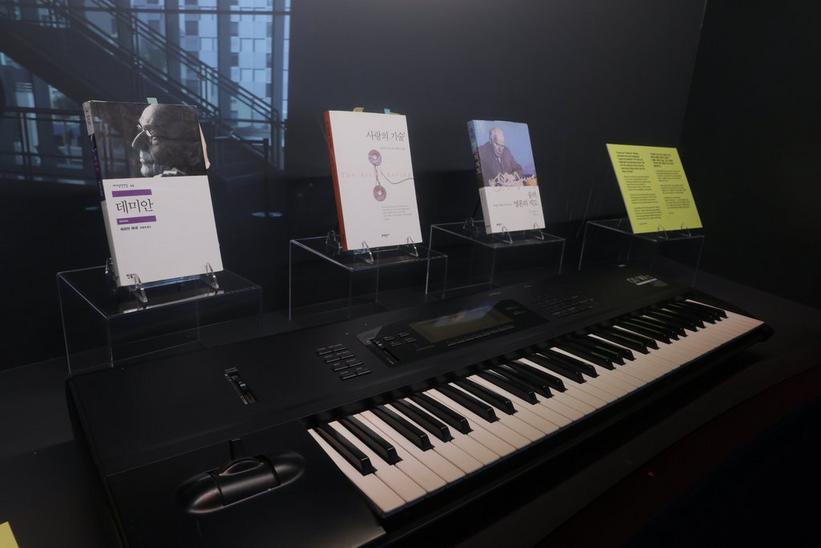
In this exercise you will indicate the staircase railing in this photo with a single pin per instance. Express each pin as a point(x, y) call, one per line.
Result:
point(135, 54)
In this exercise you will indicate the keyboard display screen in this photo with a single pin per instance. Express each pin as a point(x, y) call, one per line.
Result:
point(461, 323)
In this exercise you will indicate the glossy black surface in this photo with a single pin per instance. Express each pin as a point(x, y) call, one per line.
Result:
point(171, 439)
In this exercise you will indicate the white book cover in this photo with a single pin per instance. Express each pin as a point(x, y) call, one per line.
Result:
point(161, 228)
point(156, 201)
point(373, 179)
point(506, 173)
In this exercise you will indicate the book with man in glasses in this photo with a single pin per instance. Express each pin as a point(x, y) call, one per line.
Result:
point(150, 162)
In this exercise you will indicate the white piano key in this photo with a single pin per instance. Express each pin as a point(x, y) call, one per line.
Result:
point(527, 433)
point(617, 378)
point(382, 496)
point(449, 450)
point(562, 402)
point(535, 427)
point(393, 477)
point(558, 404)
point(643, 369)
point(482, 430)
point(423, 472)
point(599, 386)
point(578, 400)
point(481, 454)
point(526, 411)
point(433, 459)
point(467, 446)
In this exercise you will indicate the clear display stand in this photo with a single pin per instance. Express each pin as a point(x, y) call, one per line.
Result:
point(612, 242)
point(328, 283)
point(105, 326)
point(481, 259)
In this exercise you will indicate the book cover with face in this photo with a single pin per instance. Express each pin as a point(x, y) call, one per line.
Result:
point(156, 201)
point(506, 175)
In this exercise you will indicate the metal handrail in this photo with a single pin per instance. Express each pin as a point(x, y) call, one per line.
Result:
point(36, 114)
point(206, 74)
point(159, 40)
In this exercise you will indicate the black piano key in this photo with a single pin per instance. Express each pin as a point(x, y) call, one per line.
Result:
point(644, 330)
point(485, 394)
point(671, 327)
point(377, 443)
point(582, 367)
point(443, 412)
point(649, 342)
point(479, 407)
point(604, 345)
point(349, 451)
point(682, 313)
point(622, 338)
point(582, 352)
point(593, 348)
point(431, 424)
point(552, 381)
point(681, 308)
point(672, 332)
point(535, 383)
point(682, 322)
point(707, 308)
point(408, 430)
point(512, 385)
point(566, 371)
point(702, 312)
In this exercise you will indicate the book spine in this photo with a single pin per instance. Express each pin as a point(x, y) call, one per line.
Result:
point(474, 147)
point(95, 159)
point(335, 176)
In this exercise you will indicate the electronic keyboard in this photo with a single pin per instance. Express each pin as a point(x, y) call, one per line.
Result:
point(375, 429)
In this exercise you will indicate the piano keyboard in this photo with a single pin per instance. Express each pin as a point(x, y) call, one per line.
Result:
point(400, 452)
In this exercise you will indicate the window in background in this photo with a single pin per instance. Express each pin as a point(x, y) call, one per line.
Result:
point(230, 57)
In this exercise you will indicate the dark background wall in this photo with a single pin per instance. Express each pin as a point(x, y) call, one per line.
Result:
point(580, 72)
point(752, 144)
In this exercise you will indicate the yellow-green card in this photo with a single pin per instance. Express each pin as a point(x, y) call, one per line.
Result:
point(656, 193)
point(6, 536)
